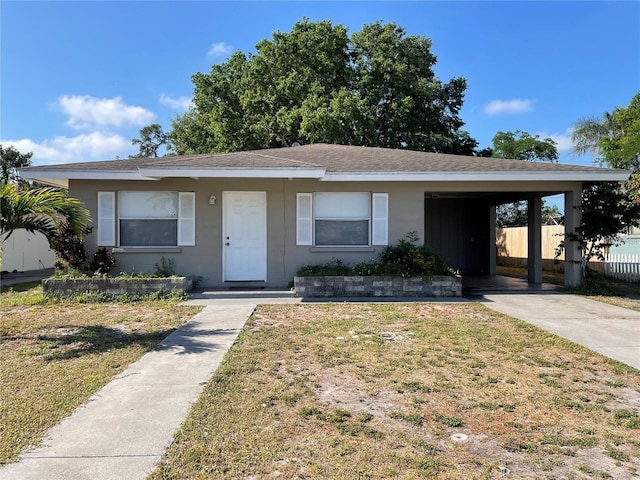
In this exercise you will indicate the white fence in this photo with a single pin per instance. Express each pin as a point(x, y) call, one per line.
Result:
point(622, 267)
point(26, 251)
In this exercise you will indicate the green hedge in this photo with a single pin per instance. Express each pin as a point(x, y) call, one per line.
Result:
point(406, 259)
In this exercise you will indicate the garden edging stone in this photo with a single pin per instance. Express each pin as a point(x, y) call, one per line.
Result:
point(378, 286)
point(116, 286)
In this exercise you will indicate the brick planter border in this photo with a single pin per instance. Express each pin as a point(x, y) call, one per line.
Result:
point(62, 287)
point(339, 286)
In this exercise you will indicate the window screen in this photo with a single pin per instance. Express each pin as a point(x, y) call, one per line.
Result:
point(148, 219)
point(341, 219)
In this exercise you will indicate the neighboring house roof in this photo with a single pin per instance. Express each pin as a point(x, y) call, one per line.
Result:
point(328, 163)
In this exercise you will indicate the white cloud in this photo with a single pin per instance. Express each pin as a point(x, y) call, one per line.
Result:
point(220, 49)
point(81, 148)
point(498, 107)
point(87, 112)
point(181, 104)
point(563, 140)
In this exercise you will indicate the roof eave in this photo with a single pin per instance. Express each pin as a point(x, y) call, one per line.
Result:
point(480, 176)
point(60, 177)
point(63, 174)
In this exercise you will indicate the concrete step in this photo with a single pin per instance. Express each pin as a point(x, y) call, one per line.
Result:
point(232, 293)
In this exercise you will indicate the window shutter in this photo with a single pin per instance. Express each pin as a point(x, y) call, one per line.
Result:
point(187, 219)
point(380, 219)
point(106, 219)
point(304, 219)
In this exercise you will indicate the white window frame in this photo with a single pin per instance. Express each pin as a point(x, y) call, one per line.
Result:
point(182, 198)
point(378, 206)
point(316, 217)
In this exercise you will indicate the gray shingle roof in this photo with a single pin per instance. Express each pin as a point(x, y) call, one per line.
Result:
point(335, 158)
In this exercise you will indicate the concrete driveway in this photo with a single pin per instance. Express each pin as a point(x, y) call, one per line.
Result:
point(606, 329)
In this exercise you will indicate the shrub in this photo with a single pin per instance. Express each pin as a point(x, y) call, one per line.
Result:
point(335, 267)
point(73, 258)
point(406, 259)
point(165, 268)
point(69, 248)
point(103, 261)
point(410, 260)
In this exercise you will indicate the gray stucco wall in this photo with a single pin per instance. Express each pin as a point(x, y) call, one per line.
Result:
point(406, 213)
point(406, 207)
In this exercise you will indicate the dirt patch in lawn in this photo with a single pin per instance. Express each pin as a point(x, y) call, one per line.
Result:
point(55, 354)
point(408, 391)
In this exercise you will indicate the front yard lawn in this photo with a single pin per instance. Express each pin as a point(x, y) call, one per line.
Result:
point(408, 391)
point(55, 354)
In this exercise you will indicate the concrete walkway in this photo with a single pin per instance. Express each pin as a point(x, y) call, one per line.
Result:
point(609, 330)
point(123, 431)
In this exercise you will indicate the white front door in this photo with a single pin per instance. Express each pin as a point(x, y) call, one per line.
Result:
point(244, 236)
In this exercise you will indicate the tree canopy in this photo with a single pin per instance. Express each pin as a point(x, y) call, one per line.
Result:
point(316, 84)
point(609, 208)
point(521, 145)
point(524, 146)
point(614, 140)
point(152, 137)
point(10, 160)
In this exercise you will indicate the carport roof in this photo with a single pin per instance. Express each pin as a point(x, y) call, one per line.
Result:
point(325, 162)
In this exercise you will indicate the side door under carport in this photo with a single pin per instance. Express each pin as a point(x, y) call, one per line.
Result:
point(458, 229)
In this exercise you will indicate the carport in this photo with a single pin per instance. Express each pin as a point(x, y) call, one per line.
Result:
point(460, 224)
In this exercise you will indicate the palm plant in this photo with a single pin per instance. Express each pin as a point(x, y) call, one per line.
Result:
point(39, 210)
point(587, 134)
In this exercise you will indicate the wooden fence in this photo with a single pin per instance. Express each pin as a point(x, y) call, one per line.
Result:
point(512, 247)
point(513, 241)
point(511, 244)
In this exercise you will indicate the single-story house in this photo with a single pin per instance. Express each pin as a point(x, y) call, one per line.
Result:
point(255, 217)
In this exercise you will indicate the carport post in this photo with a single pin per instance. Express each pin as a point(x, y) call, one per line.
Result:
point(572, 253)
point(492, 240)
point(534, 255)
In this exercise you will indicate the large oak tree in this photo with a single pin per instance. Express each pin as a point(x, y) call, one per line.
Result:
point(316, 83)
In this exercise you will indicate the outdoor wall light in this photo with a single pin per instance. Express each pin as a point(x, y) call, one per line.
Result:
point(212, 200)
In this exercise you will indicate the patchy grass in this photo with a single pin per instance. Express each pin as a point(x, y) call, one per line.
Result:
point(20, 287)
point(618, 301)
point(55, 354)
point(626, 294)
point(407, 391)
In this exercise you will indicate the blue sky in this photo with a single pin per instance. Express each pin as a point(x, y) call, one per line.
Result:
point(79, 79)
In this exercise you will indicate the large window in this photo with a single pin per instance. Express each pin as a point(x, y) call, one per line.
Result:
point(146, 219)
point(341, 219)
